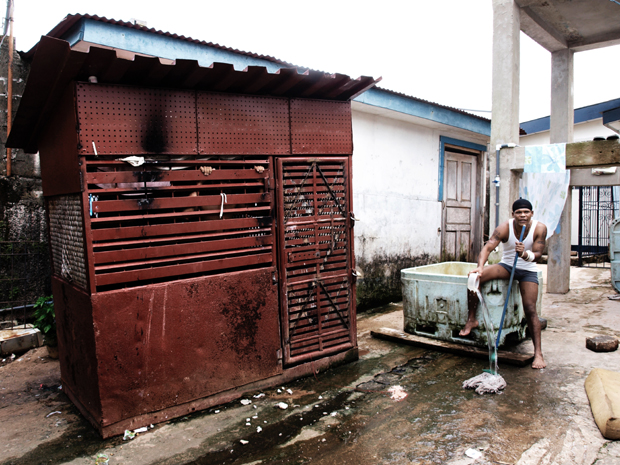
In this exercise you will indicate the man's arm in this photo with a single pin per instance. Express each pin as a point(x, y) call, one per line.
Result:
point(499, 235)
point(540, 237)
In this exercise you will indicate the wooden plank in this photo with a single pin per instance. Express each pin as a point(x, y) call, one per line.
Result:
point(393, 335)
point(108, 206)
point(592, 153)
point(178, 229)
point(113, 177)
point(127, 256)
point(181, 269)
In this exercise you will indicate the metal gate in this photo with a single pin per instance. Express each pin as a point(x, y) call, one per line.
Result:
point(315, 257)
point(596, 211)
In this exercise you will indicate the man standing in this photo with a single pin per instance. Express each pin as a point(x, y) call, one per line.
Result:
point(529, 251)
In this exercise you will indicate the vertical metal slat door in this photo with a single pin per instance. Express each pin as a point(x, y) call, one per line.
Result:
point(315, 264)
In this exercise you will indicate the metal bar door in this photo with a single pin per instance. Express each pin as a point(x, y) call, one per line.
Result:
point(317, 301)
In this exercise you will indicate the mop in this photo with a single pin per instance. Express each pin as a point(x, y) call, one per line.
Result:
point(490, 382)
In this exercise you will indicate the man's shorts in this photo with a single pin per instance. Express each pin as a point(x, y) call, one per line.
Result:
point(523, 276)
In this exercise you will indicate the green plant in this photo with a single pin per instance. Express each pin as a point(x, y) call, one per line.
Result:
point(45, 319)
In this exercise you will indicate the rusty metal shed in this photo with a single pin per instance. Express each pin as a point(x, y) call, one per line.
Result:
point(200, 224)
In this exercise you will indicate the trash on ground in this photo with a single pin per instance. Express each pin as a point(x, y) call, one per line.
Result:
point(289, 391)
point(282, 405)
point(258, 396)
point(128, 435)
point(486, 383)
point(397, 393)
point(258, 429)
point(144, 429)
point(53, 413)
point(473, 453)
point(102, 459)
point(244, 442)
point(246, 401)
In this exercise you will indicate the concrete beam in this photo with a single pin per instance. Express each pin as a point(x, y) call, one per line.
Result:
point(505, 110)
point(541, 32)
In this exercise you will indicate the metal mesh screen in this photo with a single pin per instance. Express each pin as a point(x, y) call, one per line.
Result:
point(67, 238)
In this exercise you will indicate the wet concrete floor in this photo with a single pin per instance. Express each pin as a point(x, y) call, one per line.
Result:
point(347, 415)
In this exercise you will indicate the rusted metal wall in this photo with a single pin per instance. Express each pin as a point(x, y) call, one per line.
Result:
point(192, 291)
point(167, 344)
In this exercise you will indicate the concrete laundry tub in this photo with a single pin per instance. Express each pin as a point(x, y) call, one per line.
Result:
point(435, 304)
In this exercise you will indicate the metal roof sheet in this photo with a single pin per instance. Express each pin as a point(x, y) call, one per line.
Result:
point(70, 20)
point(55, 65)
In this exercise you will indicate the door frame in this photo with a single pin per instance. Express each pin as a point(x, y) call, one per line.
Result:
point(481, 153)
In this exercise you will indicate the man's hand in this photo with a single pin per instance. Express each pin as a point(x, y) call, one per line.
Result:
point(519, 248)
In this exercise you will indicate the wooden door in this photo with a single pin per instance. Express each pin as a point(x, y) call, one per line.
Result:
point(459, 194)
point(315, 255)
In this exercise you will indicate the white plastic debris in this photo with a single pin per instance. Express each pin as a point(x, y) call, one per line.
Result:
point(217, 411)
point(53, 413)
point(258, 396)
point(320, 397)
point(282, 405)
point(246, 401)
point(248, 424)
point(333, 414)
point(144, 429)
point(289, 391)
point(254, 406)
point(279, 391)
point(247, 419)
point(128, 435)
point(258, 429)
point(473, 454)
point(133, 161)
point(244, 442)
point(397, 393)
point(255, 417)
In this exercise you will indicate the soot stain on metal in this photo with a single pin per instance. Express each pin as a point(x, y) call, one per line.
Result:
point(242, 316)
point(154, 138)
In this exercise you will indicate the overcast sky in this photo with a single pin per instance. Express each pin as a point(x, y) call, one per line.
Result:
point(435, 50)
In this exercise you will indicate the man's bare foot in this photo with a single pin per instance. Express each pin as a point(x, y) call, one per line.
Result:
point(539, 362)
point(471, 324)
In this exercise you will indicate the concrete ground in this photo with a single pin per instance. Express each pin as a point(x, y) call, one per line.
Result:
point(349, 415)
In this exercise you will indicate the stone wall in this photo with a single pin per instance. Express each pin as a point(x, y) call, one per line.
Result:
point(24, 256)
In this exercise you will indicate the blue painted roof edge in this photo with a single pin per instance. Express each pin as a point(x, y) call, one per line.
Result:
point(145, 42)
point(581, 115)
point(390, 100)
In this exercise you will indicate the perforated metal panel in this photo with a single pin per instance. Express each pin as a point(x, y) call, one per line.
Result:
point(321, 127)
point(67, 238)
point(315, 261)
point(241, 124)
point(130, 120)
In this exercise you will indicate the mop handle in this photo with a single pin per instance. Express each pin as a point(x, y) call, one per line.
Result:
point(512, 275)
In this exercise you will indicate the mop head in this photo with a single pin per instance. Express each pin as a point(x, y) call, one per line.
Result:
point(486, 383)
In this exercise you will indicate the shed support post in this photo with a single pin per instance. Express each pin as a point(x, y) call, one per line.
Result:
point(505, 121)
point(562, 119)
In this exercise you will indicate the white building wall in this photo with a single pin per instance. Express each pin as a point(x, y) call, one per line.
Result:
point(395, 182)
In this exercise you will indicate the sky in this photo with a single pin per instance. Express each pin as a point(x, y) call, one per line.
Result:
point(439, 51)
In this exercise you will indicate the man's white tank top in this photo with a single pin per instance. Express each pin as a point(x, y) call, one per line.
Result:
point(508, 258)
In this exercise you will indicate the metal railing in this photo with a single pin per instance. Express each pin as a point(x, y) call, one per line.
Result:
point(24, 276)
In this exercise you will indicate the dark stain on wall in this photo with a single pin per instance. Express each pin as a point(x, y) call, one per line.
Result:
point(379, 280)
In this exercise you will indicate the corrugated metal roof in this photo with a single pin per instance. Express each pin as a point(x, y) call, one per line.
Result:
point(456, 110)
point(55, 65)
point(70, 20)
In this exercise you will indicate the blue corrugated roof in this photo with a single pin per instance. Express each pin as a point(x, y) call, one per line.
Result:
point(582, 115)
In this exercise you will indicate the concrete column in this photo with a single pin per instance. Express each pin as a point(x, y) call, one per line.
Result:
point(562, 120)
point(505, 119)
